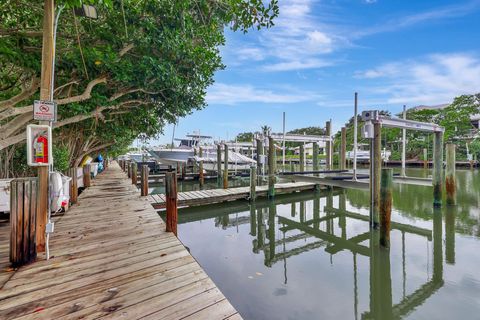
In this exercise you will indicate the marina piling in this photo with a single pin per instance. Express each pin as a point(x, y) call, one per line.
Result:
point(385, 206)
point(86, 176)
point(200, 169)
point(144, 180)
point(23, 206)
point(253, 183)
point(219, 164)
point(225, 168)
point(271, 167)
point(343, 149)
point(171, 201)
point(328, 133)
point(302, 158)
point(425, 158)
point(450, 181)
point(259, 156)
point(437, 169)
point(315, 157)
point(133, 172)
point(72, 172)
point(375, 173)
point(129, 170)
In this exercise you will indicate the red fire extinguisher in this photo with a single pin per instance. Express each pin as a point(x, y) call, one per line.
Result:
point(40, 147)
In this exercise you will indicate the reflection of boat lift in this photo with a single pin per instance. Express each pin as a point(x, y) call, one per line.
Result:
point(381, 305)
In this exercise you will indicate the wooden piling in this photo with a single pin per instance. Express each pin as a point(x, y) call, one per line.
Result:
point(437, 169)
point(133, 172)
point(184, 170)
point(376, 165)
point(385, 206)
point(425, 158)
point(271, 167)
point(219, 163)
point(302, 158)
point(144, 180)
point(23, 207)
point(225, 168)
point(259, 156)
point(343, 149)
point(315, 157)
point(201, 179)
point(86, 176)
point(253, 183)
point(450, 180)
point(171, 201)
point(328, 133)
point(72, 172)
point(129, 169)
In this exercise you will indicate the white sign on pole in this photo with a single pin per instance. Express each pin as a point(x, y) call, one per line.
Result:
point(44, 110)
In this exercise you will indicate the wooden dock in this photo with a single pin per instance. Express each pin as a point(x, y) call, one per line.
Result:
point(204, 197)
point(111, 259)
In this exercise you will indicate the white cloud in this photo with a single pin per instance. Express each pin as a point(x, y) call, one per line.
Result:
point(221, 93)
point(436, 79)
point(251, 54)
point(297, 65)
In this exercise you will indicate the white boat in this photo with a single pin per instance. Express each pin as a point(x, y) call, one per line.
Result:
point(182, 153)
point(364, 155)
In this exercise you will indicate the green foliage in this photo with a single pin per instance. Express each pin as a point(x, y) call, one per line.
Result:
point(245, 137)
point(61, 158)
point(319, 131)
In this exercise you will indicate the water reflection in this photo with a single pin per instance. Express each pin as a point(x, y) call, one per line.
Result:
point(294, 233)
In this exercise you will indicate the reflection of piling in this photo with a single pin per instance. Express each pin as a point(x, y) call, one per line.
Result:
point(437, 246)
point(171, 199)
point(271, 167)
point(343, 149)
point(450, 183)
point(450, 234)
point(316, 211)
point(302, 158)
point(293, 210)
point(253, 219)
point(385, 206)
point(225, 168)
point(315, 157)
point(253, 183)
point(437, 169)
point(425, 158)
point(380, 280)
point(200, 168)
point(328, 133)
point(342, 205)
point(219, 163)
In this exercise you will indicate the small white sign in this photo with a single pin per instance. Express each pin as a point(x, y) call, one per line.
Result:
point(44, 110)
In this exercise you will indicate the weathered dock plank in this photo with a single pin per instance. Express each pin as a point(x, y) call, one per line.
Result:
point(111, 258)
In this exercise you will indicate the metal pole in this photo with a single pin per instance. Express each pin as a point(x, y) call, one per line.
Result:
point(404, 138)
point(355, 137)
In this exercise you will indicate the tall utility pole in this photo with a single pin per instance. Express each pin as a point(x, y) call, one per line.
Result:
point(45, 88)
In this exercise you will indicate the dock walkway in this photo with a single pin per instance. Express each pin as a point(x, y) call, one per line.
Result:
point(204, 197)
point(112, 259)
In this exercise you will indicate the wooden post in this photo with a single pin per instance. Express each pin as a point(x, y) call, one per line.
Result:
point(315, 157)
point(343, 149)
point(302, 158)
point(133, 172)
point(129, 170)
point(271, 167)
point(437, 169)
point(425, 158)
point(73, 185)
point(86, 176)
point(376, 167)
point(253, 183)
point(450, 180)
point(23, 210)
point(225, 168)
point(171, 199)
point(219, 164)
point(200, 169)
point(144, 180)
point(184, 170)
point(328, 133)
point(259, 156)
point(385, 206)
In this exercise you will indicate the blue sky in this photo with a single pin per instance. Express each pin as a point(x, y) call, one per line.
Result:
point(321, 51)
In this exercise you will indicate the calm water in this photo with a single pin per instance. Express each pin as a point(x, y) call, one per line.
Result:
point(311, 256)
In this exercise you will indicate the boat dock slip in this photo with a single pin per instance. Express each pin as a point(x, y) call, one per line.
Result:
point(112, 259)
point(204, 197)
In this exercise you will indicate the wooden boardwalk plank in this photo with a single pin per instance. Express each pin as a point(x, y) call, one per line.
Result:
point(111, 258)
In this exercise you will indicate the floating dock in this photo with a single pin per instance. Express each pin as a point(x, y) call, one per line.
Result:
point(204, 197)
point(111, 259)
